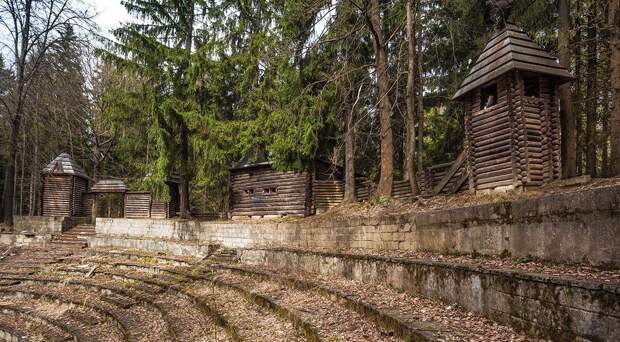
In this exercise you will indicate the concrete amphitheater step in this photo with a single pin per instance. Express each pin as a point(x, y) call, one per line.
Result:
point(91, 318)
point(144, 319)
point(192, 319)
point(332, 320)
point(44, 324)
point(135, 314)
point(391, 307)
point(282, 315)
point(407, 329)
point(14, 327)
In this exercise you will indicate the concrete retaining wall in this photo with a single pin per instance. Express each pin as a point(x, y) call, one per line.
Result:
point(18, 239)
point(152, 245)
point(540, 305)
point(568, 227)
point(41, 225)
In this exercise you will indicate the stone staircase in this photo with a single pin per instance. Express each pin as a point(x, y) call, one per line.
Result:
point(221, 254)
point(74, 237)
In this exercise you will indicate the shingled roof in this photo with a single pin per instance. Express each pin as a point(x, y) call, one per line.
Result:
point(64, 165)
point(252, 158)
point(109, 186)
point(511, 49)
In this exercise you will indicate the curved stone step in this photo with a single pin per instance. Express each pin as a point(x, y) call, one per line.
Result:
point(406, 329)
point(307, 329)
point(165, 286)
point(332, 321)
point(47, 295)
point(70, 334)
point(146, 257)
point(109, 293)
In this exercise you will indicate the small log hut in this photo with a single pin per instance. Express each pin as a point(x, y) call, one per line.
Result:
point(63, 185)
point(144, 205)
point(512, 124)
point(104, 186)
point(259, 190)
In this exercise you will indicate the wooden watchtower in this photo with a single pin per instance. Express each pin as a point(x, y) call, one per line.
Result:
point(512, 123)
point(64, 183)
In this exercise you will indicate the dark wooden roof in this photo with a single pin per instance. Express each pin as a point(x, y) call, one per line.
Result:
point(252, 158)
point(64, 165)
point(511, 49)
point(109, 186)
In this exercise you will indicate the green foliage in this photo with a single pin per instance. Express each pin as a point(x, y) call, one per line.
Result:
point(280, 76)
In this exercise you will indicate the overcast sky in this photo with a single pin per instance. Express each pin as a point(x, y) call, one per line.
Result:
point(110, 13)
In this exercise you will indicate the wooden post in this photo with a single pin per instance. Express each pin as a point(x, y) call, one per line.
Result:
point(94, 208)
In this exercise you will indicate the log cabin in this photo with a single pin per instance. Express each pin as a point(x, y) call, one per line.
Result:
point(512, 123)
point(258, 190)
point(63, 184)
point(142, 204)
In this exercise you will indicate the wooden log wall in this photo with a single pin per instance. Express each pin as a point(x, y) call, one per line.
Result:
point(551, 111)
point(137, 205)
point(142, 205)
point(264, 191)
point(87, 204)
point(401, 189)
point(327, 194)
point(57, 195)
point(363, 188)
point(160, 210)
point(516, 141)
point(490, 135)
point(531, 137)
point(80, 185)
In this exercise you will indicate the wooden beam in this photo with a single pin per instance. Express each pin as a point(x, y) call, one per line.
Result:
point(455, 166)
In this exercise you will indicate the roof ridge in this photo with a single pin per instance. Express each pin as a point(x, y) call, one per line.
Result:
point(491, 60)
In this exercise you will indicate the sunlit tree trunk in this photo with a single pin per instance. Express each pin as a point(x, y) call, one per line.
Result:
point(385, 115)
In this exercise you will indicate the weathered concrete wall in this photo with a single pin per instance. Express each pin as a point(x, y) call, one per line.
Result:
point(540, 305)
point(152, 245)
point(41, 225)
point(570, 227)
point(17, 239)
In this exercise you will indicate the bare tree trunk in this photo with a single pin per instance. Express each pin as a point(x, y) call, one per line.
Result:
point(349, 151)
point(385, 116)
point(32, 200)
point(577, 94)
point(8, 196)
point(591, 93)
point(410, 143)
point(569, 132)
point(614, 27)
point(185, 172)
point(184, 186)
point(420, 113)
point(35, 173)
point(604, 70)
point(21, 180)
